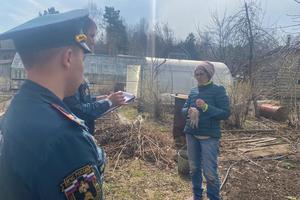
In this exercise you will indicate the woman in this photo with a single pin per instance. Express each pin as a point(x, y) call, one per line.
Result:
point(205, 107)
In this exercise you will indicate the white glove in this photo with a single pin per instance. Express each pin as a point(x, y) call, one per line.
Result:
point(194, 117)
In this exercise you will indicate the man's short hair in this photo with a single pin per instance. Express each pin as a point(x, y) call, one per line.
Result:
point(37, 58)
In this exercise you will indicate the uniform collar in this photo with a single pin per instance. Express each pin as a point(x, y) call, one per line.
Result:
point(44, 93)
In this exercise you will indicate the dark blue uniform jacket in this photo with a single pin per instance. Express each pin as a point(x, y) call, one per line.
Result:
point(86, 107)
point(47, 152)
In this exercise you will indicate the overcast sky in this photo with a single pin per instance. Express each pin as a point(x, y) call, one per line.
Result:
point(182, 15)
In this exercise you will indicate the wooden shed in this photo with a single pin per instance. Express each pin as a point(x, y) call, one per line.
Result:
point(5, 75)
point(7, 53)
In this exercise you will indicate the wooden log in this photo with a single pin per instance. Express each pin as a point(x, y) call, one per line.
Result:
point(278, 113)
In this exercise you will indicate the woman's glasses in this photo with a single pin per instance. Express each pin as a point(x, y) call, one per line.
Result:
point(199, 73)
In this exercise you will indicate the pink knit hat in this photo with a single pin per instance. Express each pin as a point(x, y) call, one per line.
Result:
point(207, 67)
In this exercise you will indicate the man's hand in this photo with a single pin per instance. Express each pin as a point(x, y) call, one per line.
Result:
point(116, 98)
point(101, 97)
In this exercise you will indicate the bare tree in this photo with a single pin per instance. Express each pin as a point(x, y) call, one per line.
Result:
point(239, 40)
point(96, 14)
point(222, 31)
point(205, 45)
point(219, 42)
point(161, 41)
point(151, 97)
point(250, 33)
point(138, 38)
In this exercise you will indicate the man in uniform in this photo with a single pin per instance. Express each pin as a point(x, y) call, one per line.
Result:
point(47, 152)
point(82, 104)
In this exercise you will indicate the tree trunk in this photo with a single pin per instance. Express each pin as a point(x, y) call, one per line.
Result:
point(250, 62)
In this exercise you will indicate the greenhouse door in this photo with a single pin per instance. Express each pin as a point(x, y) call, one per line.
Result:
point(132, 79)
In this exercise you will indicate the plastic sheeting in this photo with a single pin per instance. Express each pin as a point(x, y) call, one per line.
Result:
point(177, 76)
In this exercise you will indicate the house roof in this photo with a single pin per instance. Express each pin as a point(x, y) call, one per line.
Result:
point(3, 62)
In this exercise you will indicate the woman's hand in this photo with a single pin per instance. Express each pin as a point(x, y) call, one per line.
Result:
point(194, 117)
point(200, 103)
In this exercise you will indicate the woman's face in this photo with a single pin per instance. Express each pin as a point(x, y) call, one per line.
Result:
point(201, 76)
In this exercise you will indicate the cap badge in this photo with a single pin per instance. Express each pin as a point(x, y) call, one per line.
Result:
point(80, 38)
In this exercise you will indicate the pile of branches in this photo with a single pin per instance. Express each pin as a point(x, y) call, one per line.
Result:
point(127, 141)
point(4, 104)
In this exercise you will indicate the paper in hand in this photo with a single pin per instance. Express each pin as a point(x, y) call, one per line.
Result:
point(128, 98)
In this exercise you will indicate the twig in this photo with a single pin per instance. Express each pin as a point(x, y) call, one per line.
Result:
point(286, 139)
point(227, 174)
point(117, 161)
point(118, 158)
point(248, 159)
point(154, 155)
point(272, 158)
point(249, 130)
point(238, 139)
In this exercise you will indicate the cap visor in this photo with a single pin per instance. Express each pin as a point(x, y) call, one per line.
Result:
point(85, 47)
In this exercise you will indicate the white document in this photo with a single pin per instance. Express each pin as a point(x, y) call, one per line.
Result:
point(128, 98)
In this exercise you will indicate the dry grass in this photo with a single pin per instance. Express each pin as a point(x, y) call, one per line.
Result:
point(239, 95)
point(134, 175)
point(136, 180)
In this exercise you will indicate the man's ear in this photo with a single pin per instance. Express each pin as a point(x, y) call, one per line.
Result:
point(67, 57)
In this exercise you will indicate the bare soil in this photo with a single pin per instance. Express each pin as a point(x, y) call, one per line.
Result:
point(273, 176)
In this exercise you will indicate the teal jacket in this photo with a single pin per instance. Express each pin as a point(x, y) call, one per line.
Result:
point(209, 120)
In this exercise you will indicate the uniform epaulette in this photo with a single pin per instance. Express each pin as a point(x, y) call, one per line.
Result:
point(68, 115)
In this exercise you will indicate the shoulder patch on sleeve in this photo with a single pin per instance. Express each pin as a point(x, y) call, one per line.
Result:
point(82, 184)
